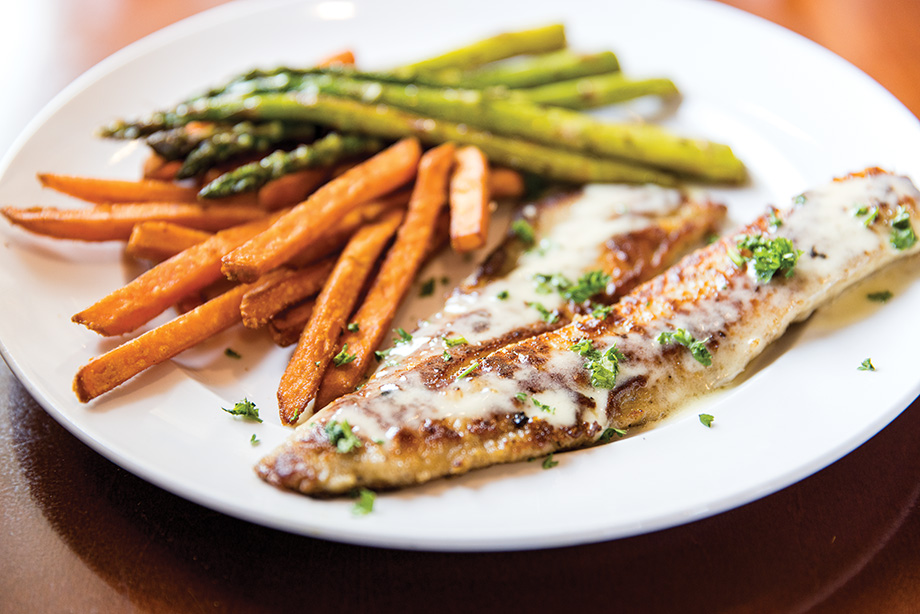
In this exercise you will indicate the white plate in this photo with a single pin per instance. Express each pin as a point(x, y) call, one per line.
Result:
point(798, 116)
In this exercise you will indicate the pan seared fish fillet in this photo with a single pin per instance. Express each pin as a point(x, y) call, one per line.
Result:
point(629, 233)
point(536, 397)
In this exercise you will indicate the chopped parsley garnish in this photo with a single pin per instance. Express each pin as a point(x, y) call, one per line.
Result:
point(608, 434)
point(880, 297)
point(365, 503)
point(697, 348)
point(245, 408)
point(352, 327)
point(427, 288)
point(254, 440)
point(503, 295)
point(446, 356)
point(402, 336)
point(549, 463)
point(712, 238)
point(603, 366)
point(231, 353)
point(902, 235)
point(543, 406)
point(706, 420)
point(549, 283)
point(343, 357)
point(548, 316)
point(340, 435)
point(523, 231)
point(381, 354)
point(454, 341)
point(600, 312)
point(866, 365)
point(767, 256)
point(774, 220)
point(871, 214)
point(589, 284)
point(800, 199)
point(521, 396)
point(473, 366)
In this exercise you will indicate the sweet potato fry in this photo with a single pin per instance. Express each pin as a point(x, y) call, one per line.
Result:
point(346, 57)
point(308, 220)
point(285, 327)
point(469, 200)
point(317, 344)
point(157, 289)
point(159, 168)
point(291, 188)
point(105, 223)
point(158, 345)
point(161, 240)
point(102, 191)
point(289, 286)
point(396, 274)
point(505, 183)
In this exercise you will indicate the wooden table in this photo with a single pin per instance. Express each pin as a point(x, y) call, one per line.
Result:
point(78, 534)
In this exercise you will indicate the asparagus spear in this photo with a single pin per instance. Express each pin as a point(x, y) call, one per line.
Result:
point(388, 122)
point(540, 69)
point(498, 47)
point(562, 128)
point(598, 91)
point(241, 138)
point(324, 152)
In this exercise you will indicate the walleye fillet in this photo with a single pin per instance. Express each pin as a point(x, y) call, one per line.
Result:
point(555, 392)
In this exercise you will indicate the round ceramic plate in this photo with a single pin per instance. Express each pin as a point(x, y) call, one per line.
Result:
point(795, 113)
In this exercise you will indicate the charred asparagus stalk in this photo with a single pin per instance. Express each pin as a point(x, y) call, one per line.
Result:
point(324, 152)
point(540, 69)
point(597, 91)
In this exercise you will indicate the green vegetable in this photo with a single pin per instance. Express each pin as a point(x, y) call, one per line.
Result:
point(523, 231)
point(871, 214)
point(550, 317)
point(402, 336)
point(341, 436)
point(543, 406)
point(601, 311)
point(521, 396)
point(245, 408)
point(446, 356)
point(697, 348)
point(902, 234)
point(549, 463)
point(866, 365)
point(608, 434)
point(706, 420)
point(343, 357)
point(767, 256)
point(365, 503)
point(536, 70)
point(880, 297)
point(254, 440)
point(352, 327)
point(604, 366)
point(473, 366)
point(231, 353)
point(503, 295)
point(594, 91)
point(427, 288)
point(589, 284)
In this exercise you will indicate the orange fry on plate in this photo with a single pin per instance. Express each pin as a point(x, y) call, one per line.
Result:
point(104, 223)
point(469, 200)
point(161, 240)
point(505, 183)
point(346, 57)
point(316, 348)
point(402, 262)
point(102, 191)
point(290, 286)
point(292, 188)
point(307, 221)
point(158, 345)
point(285, 327)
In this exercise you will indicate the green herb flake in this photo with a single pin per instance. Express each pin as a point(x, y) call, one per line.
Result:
point(343, 357)
point(589, 284)
point(402, 336)
point(341, 436)
point(523, 231)
point(521, 396)
point(245, 408)
point(800, 199)
point(543, 406)
point(365, 503)
point(706, 420)
point(231, 353)
point(473, 366)
point(870, 213)
point(352, 327)
point(600, 312)
point(902, 234)
point(427, 288)
point(380, 355)
point(549, 463)
point(503, 295)
point(604, 367)
point(608, 434)
point(774, 220)
point(767, 256)
point(455, 341)
point(446, 356)
point(548, 316)
point(254, 440)
point(866, 365)
point(880, 297)
point(697, 349)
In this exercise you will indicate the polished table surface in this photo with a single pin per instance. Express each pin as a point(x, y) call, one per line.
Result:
point(79, 534)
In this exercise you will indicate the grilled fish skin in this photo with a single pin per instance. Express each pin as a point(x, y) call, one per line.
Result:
point(535, 397)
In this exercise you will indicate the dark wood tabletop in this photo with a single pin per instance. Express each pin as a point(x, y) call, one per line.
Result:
point(79, 534)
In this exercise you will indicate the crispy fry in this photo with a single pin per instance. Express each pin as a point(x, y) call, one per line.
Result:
point(505, 183)
point(158, 345)
point(307, 221)
point(345, 57)
point(469, 200)
point(285, 327)
point(317, 343)
point(392, 282)
point(157, 289)
point(101, 191)
point(159, 168)
point(104, 223)
point(161, 240)
point(290, 286)
point(291, 188)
